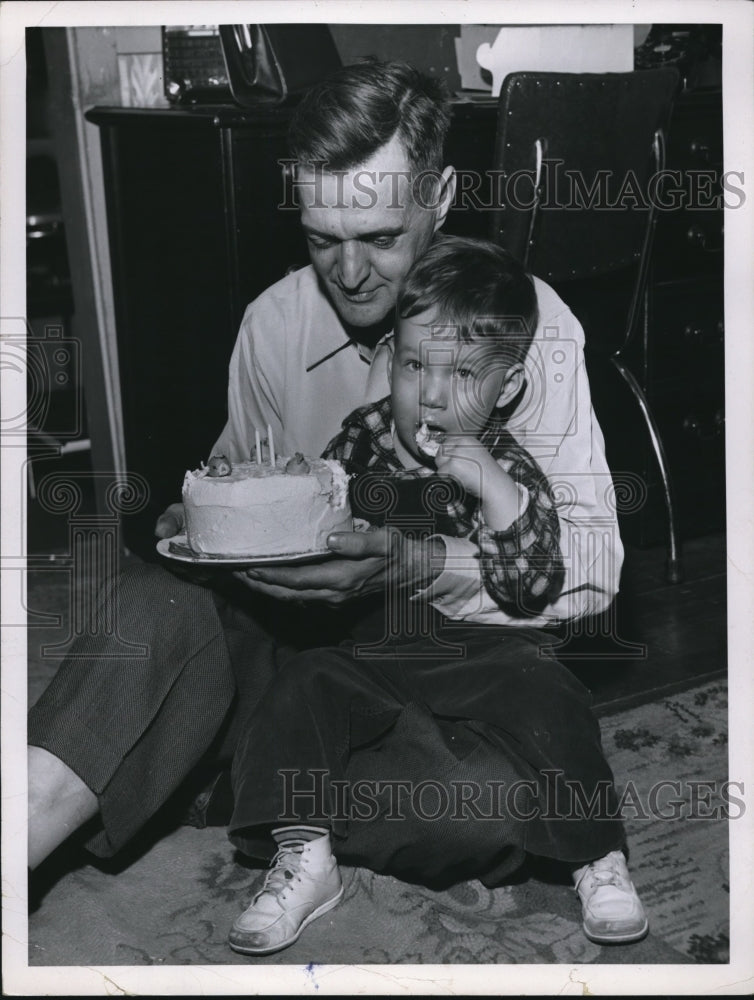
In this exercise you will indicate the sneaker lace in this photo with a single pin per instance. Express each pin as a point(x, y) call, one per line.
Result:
point(605, 872)
point(285, 867)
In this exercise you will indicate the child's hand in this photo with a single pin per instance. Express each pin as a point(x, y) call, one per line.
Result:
point(473, 466)
point(465, 459)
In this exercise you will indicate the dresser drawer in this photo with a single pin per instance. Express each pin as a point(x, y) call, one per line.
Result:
point(687, 332)
point(699, 511)
point(692, 426)
point(695, 137)
point(689, 237)
point(688, 243)
point(691, 419)
point(679, 363)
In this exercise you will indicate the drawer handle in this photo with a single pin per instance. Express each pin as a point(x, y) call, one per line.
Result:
point(700, 335)
point(700, 150)
point(693, 426)
point(697, 237)
point(694, 334)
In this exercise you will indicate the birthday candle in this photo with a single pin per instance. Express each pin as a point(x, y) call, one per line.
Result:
point(259, 447)
point(271, 445)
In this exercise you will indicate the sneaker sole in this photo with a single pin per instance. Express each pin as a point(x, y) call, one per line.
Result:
point(618, 938)
point(322, 909)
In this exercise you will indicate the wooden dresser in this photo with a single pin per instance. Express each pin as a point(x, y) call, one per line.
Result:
point(679, 358)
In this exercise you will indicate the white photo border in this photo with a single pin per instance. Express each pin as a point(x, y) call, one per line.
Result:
point(738, 88)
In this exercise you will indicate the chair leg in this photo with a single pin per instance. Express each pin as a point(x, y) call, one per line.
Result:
point(674, 567)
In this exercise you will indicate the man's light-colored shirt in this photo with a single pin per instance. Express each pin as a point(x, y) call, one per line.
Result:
point(292, 326)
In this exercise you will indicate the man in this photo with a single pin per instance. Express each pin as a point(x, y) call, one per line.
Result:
point(115, 743)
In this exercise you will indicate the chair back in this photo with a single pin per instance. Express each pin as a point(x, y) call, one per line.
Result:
point(579, 157)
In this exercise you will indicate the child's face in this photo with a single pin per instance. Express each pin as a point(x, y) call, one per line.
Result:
point(448, 384)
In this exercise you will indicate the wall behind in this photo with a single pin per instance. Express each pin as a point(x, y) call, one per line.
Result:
point(109, 59)
point(429, 47)
point(101, 51)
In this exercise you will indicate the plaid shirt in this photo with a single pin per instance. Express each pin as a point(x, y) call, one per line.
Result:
point(522, 566)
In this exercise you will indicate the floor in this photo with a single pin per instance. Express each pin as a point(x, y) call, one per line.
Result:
point(664, 637)
point(172, 902)
point(659, 640)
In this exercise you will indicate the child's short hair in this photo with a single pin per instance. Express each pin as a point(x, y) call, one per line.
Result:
point(476, 287)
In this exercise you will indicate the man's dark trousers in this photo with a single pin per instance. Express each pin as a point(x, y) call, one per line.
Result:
point(135, 729)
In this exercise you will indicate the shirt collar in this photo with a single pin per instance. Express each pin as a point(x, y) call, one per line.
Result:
point(365, 353)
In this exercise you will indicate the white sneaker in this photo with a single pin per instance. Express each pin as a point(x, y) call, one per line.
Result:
point(303, 883)
point(612, 911)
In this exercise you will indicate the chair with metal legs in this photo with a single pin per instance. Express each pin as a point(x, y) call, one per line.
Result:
point(580, 160)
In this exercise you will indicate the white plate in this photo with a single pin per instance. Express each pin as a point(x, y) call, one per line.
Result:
point(177, 548)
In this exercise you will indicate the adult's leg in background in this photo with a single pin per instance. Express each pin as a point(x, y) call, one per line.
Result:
point(59, 803)
point(131, 729)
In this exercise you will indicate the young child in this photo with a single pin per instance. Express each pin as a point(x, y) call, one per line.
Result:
point(464, 323)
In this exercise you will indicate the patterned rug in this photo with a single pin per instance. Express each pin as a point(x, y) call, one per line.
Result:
point(670, 761)
point(174, 902)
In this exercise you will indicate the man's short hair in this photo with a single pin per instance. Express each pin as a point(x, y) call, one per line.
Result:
point(343, 121)
point(477, 290)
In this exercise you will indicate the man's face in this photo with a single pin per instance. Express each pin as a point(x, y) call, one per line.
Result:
point(364, 231)
point(439, 380)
